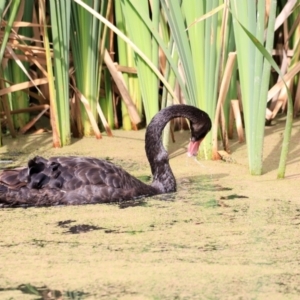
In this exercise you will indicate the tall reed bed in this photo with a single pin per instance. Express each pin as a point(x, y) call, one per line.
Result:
point(254, 72)
point(207, 48)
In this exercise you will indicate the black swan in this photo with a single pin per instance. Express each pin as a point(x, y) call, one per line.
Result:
point(83, 180)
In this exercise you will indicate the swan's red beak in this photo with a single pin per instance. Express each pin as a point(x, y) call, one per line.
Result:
point(193, 148)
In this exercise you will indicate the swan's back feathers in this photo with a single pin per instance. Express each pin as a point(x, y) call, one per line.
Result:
point(91, 171)
point(69, 180)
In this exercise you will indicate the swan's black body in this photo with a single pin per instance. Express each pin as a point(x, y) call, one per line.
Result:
point(82, 180)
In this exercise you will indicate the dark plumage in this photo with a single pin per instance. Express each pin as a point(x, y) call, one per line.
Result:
point(83, 180)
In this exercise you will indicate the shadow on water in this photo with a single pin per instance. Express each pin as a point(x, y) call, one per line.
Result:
point(64, 223)
point(83, 228)
point(233, 196)
point(192, 185)
point(76, 229)
point(202, 183)
point(45, 293)
point(133, 203)
point(205, 192)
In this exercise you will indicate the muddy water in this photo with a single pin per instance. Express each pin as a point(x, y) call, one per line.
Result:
point(223, 235)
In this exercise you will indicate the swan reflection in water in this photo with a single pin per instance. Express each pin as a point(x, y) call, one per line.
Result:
point(84, 180)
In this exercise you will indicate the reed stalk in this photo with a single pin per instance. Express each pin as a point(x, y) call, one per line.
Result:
point(125, 58)
point(20, 99)
point(141, 35)
point(50, 76)
point(86, 33)
point(11, 17)
point(60, 28)
point(13, 10)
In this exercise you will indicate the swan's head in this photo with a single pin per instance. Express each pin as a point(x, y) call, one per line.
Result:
point(198, 132)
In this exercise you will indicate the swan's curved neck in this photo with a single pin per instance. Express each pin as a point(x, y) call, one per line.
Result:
point(163, 178)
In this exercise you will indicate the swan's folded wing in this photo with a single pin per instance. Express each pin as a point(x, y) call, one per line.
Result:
point(77, 171)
